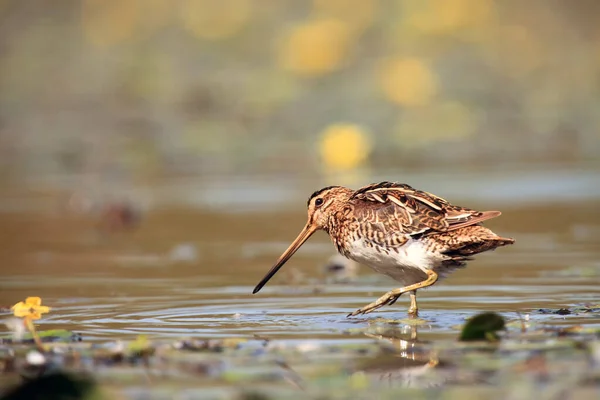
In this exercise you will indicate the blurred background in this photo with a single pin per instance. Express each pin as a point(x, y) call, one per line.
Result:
point(196, 129)
point(138, 91)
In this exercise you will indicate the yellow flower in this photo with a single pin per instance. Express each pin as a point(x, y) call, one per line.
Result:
point(31, 308)
point(344, 146)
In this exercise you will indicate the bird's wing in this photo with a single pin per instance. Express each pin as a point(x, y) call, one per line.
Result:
point(400, 208)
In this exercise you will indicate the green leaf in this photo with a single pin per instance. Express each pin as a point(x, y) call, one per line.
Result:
point(483, 327)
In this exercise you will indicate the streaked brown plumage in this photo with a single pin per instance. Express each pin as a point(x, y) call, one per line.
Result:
point(412, 236)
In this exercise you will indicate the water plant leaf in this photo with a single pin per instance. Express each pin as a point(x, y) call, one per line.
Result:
point(140, 343)
point(51, 335)
point(483, 327)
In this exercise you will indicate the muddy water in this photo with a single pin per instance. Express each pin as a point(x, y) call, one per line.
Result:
point(189, 268)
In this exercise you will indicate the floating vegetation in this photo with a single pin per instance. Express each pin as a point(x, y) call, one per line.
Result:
point(390, 360)
point(483, 327)
point(581, 309)
point(29, 310)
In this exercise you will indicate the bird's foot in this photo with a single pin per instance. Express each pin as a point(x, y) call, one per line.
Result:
point(387, 299)
point(413, 312)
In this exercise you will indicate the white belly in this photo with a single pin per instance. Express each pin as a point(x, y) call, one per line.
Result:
point(408, 265)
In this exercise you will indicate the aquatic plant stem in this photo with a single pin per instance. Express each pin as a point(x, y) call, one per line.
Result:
point(31, 327)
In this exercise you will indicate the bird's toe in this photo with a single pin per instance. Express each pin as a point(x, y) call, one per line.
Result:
point(391, 300)
point(360, 311)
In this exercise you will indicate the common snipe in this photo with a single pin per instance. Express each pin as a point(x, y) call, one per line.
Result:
point(412, 236)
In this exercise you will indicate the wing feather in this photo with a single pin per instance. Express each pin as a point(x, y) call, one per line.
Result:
point(413, 211)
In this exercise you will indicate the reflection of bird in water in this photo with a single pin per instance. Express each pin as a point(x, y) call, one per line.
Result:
point(406, 363)
point(339, 269)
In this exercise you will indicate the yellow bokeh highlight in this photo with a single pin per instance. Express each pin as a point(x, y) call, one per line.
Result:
point(344, 146)
point(444, 121)
point(316, 47)
point(441, 16)
point(31, 308)
point(214, 19)
point(108, 22)
point(408, 81)
point(357, 14)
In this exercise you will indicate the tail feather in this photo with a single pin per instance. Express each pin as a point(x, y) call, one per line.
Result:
point(473, 239)
point(461, 245)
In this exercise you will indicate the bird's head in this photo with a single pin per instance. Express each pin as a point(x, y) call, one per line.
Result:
point(322, 207)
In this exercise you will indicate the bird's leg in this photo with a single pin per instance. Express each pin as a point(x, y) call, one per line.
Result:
point(413, 301)
point(413, 309)
point(391, 296)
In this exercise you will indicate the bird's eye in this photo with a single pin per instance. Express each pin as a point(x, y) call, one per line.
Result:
point(318, 202)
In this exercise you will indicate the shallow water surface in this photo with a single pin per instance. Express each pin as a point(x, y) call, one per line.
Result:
point(189, 268)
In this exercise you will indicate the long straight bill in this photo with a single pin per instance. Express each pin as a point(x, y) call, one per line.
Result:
point(302, 237)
